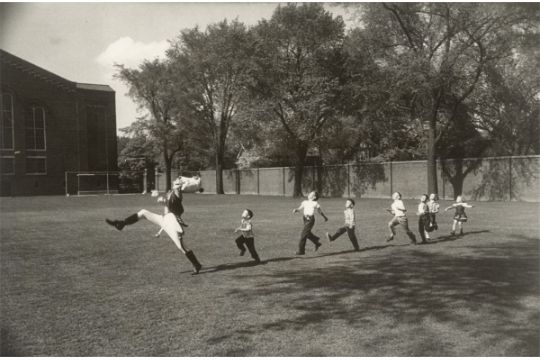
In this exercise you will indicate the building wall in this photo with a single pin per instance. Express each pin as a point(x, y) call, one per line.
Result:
point(67, 147)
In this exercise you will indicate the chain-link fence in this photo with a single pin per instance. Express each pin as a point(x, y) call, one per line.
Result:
point(498, 178)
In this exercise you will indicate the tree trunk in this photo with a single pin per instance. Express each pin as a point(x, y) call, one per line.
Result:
point(458, 178)
point(168, 165)
point(431, 160)
point(301, 151)
point(219, 172)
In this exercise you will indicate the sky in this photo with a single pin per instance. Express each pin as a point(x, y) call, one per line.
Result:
point(82, 41)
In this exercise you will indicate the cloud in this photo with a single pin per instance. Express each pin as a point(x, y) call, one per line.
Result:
point(131, 53)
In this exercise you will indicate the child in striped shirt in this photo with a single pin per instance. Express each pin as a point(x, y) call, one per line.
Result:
point(423, 218)
point(433, 206)
point(349, 225)
point(246, 239)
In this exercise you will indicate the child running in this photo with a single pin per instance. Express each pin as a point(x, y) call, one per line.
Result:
point(398, 210)
point(349, 225)
point(309, 207)
point(247, 239)
point(459, 217)
point(433, 206)
point(423, 218)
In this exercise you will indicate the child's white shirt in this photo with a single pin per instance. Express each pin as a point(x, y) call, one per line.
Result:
point(349, 217)
point(422, 208)
point(246, 228)
point(309, 207)
point(396, 206)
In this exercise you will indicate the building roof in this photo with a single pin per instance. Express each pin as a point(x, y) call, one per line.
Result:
point(96, 87)
point(45, 75)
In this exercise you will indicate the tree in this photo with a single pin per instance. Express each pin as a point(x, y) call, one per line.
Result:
point(438, 53)
point(153, 88)
point(508, 107)
point(298, 73)
point(461, 140)
point(214, 66)
point(136, 151)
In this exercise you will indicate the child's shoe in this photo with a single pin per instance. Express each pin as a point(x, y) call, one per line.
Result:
point(328, 237)
point(300, 253)
point(461, 233)
point(389, 238)
point(317, 246)
point(452, 233)
point(242, 252)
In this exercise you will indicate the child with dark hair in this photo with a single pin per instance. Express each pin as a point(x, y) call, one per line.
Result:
point(247, 239)
point(309, 206)
point(171, 222)
point(423, 218)
point(349, 225)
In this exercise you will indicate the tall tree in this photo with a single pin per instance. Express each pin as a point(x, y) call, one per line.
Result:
point(214, 66)
point(297, 76)
point(154, 90)
point(439, 53)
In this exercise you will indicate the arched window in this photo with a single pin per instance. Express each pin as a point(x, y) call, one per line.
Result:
point(35, 129)
point(6, 122)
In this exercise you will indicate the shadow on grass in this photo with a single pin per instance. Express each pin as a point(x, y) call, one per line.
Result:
point(244, 264)
point(487, 296)
point(445, 238)
point(369, 248)
point(6, 341)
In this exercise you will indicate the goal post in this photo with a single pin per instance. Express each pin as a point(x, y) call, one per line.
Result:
point(80, 183)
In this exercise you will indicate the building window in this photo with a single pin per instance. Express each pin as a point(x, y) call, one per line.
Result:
point(35, 129)
point(6, 122)
point(36, 165)
point(7, 165)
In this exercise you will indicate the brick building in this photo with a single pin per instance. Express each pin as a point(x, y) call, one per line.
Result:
point(50, 125)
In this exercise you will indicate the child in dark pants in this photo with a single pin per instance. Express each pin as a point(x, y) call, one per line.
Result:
point(349, 225)
point(246, 239)
point(309, 206)
point(423, 218)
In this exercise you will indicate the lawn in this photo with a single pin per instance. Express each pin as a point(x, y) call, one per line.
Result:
point(73, 286)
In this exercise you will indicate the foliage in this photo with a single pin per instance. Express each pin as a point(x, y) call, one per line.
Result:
point(213, 68)
point(153, 88)
point(297, 75)
point(437, 55)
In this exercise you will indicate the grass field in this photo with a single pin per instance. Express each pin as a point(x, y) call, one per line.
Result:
point(73, 286)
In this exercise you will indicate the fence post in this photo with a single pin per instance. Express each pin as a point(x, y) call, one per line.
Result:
point(348, 180)
point(510, 178)
point(283, 179)
point(107, 176)
point(258, 182)
point(313, 183)
point(66, 180)
point(156, 178)
point(238, 181)
point(391, 180)
point(145, 180)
